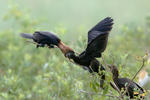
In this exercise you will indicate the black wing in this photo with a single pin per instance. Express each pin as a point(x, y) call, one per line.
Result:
point(42, 38)
point(132, 87)
point(98, 36)
point(138, 86)
point(45, 37)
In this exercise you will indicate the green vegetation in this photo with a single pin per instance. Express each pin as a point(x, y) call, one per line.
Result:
point(27, 73)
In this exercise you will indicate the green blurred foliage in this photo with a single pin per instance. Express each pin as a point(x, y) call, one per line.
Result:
point(27, 73)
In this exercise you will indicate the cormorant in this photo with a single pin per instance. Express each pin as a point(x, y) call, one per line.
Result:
point(131, 88)
point(97, 42)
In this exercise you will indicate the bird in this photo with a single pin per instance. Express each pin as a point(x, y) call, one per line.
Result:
point(97, 42)
point(132, 89)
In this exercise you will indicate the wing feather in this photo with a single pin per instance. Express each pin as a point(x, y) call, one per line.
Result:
point(98, 37)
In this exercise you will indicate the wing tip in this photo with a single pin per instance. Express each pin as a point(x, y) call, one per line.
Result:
point(109, 19)
point(104, 25)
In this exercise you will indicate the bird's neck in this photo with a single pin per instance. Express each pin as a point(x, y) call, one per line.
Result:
point(64, 48)
point(115, 76)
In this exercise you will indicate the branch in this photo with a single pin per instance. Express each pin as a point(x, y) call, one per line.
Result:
point(116, 88)
point(143, 63)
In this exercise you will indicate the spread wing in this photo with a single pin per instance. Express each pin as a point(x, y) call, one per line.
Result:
point(98, 36)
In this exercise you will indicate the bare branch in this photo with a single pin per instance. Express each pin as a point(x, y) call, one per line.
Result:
point(116, 88)
point(143, 63)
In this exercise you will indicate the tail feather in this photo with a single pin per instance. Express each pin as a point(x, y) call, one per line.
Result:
point(26, 35)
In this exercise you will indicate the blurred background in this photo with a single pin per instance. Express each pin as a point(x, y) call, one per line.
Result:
point(27, 73)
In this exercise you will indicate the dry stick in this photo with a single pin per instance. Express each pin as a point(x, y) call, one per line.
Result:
point(112, 84)
point(143, 63)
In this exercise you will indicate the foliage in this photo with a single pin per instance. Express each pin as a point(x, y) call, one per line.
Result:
point(27, 73)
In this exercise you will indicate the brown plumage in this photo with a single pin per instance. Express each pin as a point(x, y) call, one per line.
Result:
point(64, 48)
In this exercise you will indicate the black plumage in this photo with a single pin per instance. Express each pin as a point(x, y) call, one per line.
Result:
point(97, 42)
point(98, 37)
point(131, 88)
point(43, 38)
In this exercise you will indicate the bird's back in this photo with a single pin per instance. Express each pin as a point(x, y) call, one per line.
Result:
point(46, 37)
point(133, 89)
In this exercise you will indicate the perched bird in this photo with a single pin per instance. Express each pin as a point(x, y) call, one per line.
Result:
point(97, 42)
point(132, 89)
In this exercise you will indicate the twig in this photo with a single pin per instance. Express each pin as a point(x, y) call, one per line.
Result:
point(143, 63)
point(116, 88)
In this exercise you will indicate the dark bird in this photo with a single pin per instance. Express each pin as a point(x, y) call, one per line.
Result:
point(97, 42)
point(132, 89)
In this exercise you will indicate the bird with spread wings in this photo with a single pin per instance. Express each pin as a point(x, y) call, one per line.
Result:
point(97, 42)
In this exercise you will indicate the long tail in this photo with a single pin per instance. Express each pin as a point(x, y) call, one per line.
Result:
point(26, 35)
